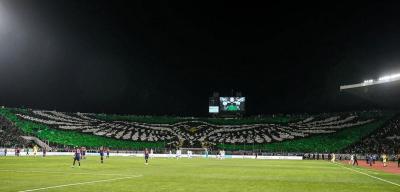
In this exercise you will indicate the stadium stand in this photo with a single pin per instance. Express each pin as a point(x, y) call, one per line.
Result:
point(37, 141)
point(304, 133)
point(384, 139)
point(10, 135)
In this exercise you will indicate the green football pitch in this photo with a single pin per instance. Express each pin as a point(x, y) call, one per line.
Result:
point(130, 174)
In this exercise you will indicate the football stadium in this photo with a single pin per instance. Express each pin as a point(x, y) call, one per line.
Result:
point(168, 96)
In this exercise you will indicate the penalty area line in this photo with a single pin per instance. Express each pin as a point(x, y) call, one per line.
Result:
point(380, 179)
point(80, 183)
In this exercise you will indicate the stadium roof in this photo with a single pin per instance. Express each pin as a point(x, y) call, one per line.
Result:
point(369, 82)
point(383, 92)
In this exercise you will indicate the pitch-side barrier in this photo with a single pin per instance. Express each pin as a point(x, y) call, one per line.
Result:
point(163, 155)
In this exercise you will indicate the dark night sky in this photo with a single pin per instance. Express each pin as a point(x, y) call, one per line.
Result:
point(168, 58)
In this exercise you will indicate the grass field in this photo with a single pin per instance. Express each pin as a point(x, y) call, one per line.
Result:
point(130, 174)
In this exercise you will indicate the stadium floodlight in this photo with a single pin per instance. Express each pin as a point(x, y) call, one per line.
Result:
point(389, 77)
point(368, 81)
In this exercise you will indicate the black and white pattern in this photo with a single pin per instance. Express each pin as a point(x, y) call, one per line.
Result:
point(193, 132)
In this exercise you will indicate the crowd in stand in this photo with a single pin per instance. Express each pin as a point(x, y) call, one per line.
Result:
point(196, 131)
point(10, 134)
point(383, 140)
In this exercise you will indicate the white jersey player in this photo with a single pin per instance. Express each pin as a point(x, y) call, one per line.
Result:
point(178, 154)
point(151, 154)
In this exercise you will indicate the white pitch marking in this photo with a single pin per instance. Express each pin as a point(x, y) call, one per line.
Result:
point(56, 172)
point(384, 180)
point(81, 183)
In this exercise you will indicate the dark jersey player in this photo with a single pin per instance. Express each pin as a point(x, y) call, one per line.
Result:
point(44, 151)
point(398, 160)
point(355, 162)
point(77, 157)
point(83, 152)
point(146, 156)
point(101, 154)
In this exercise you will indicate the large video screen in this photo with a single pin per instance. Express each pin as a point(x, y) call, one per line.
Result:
point(231, 104)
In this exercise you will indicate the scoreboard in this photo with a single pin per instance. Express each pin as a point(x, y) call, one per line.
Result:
point(226, 105)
